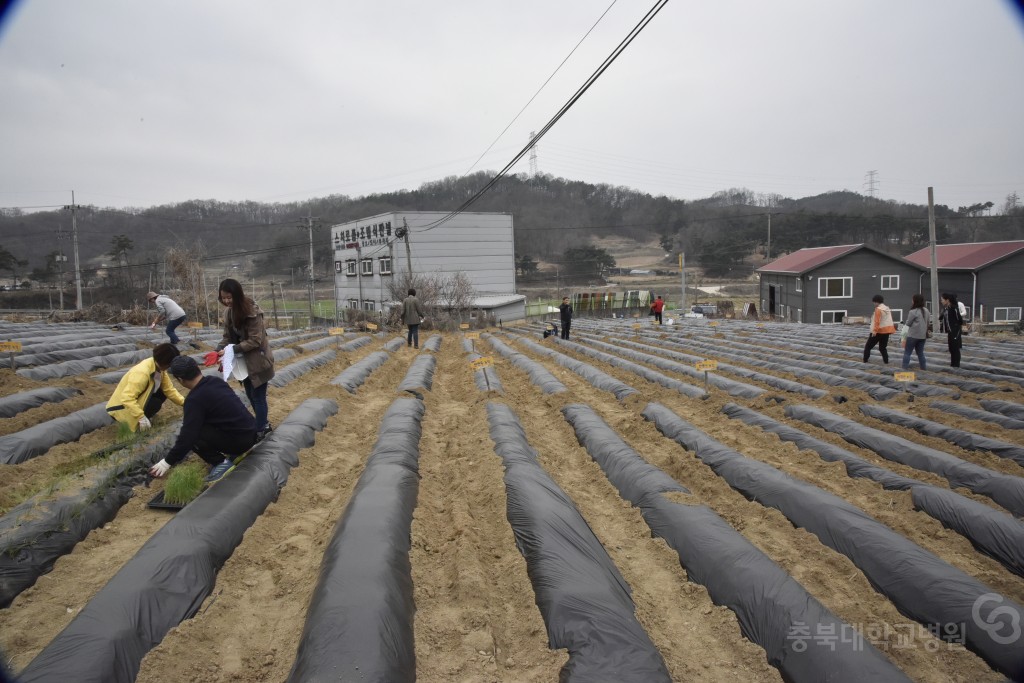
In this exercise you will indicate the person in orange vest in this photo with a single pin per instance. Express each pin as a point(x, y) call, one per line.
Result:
point(881, 327)
point(657, 307)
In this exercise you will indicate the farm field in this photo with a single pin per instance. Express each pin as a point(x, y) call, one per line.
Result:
point(692, 605)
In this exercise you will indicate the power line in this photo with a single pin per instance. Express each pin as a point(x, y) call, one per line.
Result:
point(542, 86)
point(651, 13)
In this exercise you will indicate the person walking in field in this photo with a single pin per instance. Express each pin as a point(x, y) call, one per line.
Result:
point(917, 332)
point(657, 307)
point(412, 316)
point(245, 332)
point(142, 391)
point(953, 323)
point(169, 310)
point(565, 312)
point(881, 327)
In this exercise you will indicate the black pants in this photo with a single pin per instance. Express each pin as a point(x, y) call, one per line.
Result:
point(213, 445)
point(154, 403)
point(954, 342)
point(414, 336)
point(565, 328)
point(657, 316)
point(883, 347)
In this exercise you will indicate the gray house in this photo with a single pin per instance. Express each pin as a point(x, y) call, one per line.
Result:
point(988, 277)
point(826, 285)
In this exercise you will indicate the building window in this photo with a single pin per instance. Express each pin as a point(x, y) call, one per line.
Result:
point(1006, 314)
point(832, 317)
point(799, 284)
point(385, 265)
point(353, 303)
point(337, 266)
point(368, 306)
point(368, 268)
point(835, 287)
point(897, 315)
point(890, 282)
point(350, 267)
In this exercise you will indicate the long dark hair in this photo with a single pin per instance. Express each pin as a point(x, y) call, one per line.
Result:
point(918, 300)
point(240, 308)
point(951, 298)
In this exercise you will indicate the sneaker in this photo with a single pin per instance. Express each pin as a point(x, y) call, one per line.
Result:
point(264, 433)
point(218, 471)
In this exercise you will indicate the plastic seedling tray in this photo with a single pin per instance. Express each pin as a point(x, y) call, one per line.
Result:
point(157, 503)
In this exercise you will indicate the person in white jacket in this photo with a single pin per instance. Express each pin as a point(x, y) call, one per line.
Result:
point(167, 309)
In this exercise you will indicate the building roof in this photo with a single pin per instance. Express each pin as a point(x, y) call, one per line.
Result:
point(804, 260)
point(973, 256)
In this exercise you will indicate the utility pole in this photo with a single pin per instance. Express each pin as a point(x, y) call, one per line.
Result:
point(359, 272)
point(312, 293)
point(273, 299)
point(682, 279)
point(61, 258)
point(935, 265)
point(74, 242)
point(408, 251)
point(768, 247)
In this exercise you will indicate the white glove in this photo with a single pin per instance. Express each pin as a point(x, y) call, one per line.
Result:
point(160, 469)
point(144, 423)
point(152, 326)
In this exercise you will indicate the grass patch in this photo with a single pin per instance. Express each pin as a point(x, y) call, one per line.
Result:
point(124, 433)
point(184, 483)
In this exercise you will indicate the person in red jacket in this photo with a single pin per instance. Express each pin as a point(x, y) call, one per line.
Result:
point(657, 307)
point(881, 327)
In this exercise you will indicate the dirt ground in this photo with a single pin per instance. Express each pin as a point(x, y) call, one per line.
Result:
point(476, 619)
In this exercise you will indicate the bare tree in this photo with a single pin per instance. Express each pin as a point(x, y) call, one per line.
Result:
point(186, 270)
point(446, 299)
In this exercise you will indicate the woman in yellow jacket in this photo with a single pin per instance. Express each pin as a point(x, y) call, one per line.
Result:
point(881, 327)
point(144, 388)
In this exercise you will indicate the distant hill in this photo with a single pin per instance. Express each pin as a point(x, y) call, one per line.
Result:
point(550, 214)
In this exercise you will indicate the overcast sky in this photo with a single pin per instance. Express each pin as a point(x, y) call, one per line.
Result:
point(133, 103)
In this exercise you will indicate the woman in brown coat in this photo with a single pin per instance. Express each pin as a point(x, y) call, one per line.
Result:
point(245, 332)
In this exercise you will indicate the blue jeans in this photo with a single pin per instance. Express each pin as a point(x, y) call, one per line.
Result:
point(171, 324)
point(914, 346)
point(258, 400)
point(414, 335)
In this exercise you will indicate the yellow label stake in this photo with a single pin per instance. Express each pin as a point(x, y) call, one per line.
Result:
point(481, 363)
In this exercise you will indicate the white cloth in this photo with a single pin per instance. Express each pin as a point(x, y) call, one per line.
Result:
point(234, 366)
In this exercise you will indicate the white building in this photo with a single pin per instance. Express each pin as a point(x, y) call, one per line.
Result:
point(371, 253)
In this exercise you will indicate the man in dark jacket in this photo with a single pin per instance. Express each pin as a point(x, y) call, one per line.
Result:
point(216, 423)
point(565, 311)
point(412, 315)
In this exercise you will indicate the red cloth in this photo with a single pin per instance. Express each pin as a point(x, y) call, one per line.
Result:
point(211, 359)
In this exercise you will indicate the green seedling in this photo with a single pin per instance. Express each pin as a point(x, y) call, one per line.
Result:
point(184, 483)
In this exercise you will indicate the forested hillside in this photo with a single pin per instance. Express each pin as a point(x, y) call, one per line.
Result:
point(551, 215)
